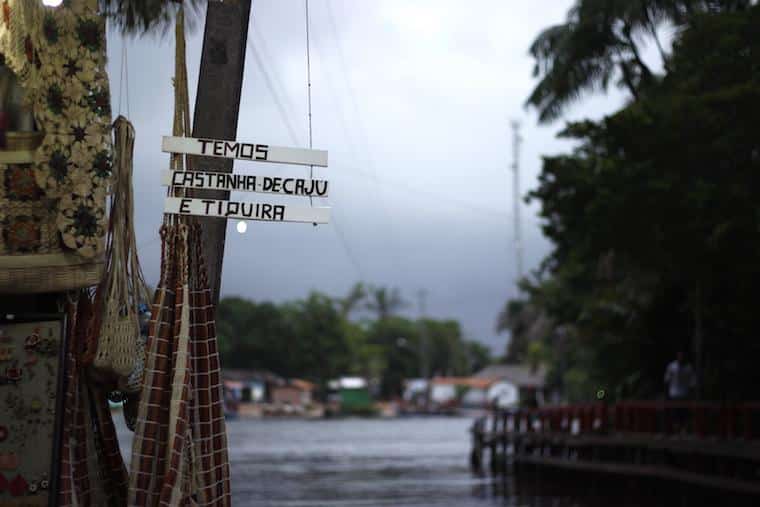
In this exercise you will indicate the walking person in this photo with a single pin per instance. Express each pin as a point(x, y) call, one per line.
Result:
point(680, 381)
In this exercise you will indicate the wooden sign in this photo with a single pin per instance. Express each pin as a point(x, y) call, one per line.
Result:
point(245, 183)
point(243, 210)
point(244, 151)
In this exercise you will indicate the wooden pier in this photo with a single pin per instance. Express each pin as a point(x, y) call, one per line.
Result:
point(712, 447)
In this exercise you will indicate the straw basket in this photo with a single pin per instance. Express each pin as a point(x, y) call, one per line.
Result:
point(32, 257)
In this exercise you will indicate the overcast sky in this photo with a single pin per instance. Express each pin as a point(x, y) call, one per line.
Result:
point(412, 99)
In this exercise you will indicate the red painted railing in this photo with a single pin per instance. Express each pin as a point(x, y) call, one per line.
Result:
point(701, 419)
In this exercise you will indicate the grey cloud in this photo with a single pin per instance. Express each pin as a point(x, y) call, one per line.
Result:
point(428, 90)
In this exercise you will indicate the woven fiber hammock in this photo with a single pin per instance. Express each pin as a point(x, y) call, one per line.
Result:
point(179, 452)
point(92, 472)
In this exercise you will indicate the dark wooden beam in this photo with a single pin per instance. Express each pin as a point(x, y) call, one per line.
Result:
point(217, 105)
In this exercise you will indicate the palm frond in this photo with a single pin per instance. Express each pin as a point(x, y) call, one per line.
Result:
point(138, 17)
point(600, 40)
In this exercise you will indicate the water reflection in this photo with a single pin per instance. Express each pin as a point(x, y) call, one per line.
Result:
point(367, 462)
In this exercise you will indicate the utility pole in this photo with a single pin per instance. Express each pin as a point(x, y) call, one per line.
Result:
point(423, 345)
point(516, 141)
point(217, 105)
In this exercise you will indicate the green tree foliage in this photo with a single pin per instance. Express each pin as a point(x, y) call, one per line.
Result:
point(527, 323)
point(656, 224)
point(408, 348)
point(601, 41)
point(353, 299)
point(314, 339)
point(478, 356)
point(384, 302)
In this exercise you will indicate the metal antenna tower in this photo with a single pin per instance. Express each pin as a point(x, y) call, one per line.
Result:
point(516, 141)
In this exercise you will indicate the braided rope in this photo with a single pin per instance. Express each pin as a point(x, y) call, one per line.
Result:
point(181, 122)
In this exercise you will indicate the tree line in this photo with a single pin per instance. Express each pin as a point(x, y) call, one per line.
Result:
point(654, 216)
point(321, 337)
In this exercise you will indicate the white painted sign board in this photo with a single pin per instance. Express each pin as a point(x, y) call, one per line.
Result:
point(306, 187)
point(244, 210)
point(239, 150)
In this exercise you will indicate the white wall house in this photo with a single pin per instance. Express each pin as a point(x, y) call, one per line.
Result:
point(514, 384)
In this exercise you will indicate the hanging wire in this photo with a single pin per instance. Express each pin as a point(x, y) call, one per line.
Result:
point(308, 90)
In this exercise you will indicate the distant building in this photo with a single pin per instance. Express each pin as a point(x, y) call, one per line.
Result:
point(415, 391)
point(349, 395)
point(249, 386)
point(451, 392)
point(514, 385)
point(295, 393)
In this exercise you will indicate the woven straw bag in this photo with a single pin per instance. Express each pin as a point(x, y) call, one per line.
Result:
point(117, 348)
point(123, 287)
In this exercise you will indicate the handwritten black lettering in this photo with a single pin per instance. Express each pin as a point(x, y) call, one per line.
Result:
point(231, 148)
point(246, 150)
point(262, 151)
point(204, 142)
point(233, 207)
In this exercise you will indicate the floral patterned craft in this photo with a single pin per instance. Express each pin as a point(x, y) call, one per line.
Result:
point(59, 56)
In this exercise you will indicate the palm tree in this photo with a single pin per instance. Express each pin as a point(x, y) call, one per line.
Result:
point(144, 16)
point(385, 302)
point(356, 295)
point(600, 41)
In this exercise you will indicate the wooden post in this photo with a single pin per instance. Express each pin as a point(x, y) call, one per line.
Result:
point(476, 455)
point(217, 105)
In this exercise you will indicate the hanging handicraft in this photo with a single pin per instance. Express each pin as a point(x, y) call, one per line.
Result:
point(179, 452)
point(55, 171)
point(123, 288)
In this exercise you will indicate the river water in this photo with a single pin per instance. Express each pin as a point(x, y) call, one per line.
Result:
point(421, 462)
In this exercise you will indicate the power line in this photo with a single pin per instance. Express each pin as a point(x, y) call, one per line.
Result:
point(347, 250)
point(273, 92)
point(362, 130)
point(264, 53)
point(352, 96)
point(273, 82)
point(423, 191)
point(338, 108)
point(285, 117)
point(308, 75)
point(372, 174)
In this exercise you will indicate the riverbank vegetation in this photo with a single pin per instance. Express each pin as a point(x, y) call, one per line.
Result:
point(654, 216)
point(364, 334)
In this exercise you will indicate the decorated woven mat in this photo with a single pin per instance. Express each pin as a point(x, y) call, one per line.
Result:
point(92, 472)
point(179, 453)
